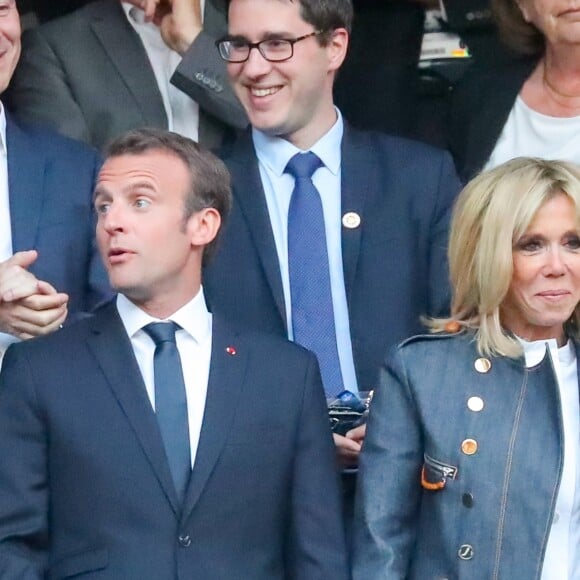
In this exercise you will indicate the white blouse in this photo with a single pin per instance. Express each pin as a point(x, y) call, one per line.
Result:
point(562, 558)
point(531, 134)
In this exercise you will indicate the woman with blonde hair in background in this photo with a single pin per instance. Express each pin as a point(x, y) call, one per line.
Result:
point(469, 468)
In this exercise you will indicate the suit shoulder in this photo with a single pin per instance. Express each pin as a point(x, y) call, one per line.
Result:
point(54, 144)
point(429, 354)
point(54, 345)
point(436, 340)
point(59, 29)
point(384, 143)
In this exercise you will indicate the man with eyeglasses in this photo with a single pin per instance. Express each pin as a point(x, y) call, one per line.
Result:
point(337, 237)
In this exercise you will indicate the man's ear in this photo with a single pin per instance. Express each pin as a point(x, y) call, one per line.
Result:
point(336, 48)
point(203, 226)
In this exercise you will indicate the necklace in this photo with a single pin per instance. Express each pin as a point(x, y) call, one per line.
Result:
point(548, 84)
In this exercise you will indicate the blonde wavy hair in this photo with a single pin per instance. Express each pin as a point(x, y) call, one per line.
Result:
point(490, 215)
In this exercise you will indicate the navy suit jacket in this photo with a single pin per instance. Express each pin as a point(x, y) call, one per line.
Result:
point(395, 266)
point(50, 188)
point(85, 487)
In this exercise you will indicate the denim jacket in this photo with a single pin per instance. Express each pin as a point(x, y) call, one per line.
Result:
point(461, 465)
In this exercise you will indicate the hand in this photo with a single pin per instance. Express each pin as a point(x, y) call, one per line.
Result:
point(348, 447)
point(28, 307)
point(16, 281)
point(179, 21)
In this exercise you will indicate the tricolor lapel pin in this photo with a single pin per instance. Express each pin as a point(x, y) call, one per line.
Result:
point(231, 350)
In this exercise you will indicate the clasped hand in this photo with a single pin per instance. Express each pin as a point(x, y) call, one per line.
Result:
point(28, 307)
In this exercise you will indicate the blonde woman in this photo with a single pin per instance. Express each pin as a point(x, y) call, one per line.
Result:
point(473, 443)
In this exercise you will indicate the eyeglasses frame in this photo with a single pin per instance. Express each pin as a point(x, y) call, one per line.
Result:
point(257, 45)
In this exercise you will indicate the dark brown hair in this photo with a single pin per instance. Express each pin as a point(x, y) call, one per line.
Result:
point(209, 178)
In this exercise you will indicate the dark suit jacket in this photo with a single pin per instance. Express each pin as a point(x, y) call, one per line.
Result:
point(50, 188)
point(85, 487)
point(481, 104)
point(87, 75)
point(395, 266)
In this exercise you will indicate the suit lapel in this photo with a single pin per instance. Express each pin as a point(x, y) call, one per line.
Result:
point(357, 173)
point(125, 50)
point(249, 193)
point(26, 166)
point(226, 377)
point(111, 347)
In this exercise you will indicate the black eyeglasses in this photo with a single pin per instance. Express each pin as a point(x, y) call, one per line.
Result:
point(272, 49)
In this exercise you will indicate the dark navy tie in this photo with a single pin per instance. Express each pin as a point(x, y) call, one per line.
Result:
point(311, 296)
point(171, 402)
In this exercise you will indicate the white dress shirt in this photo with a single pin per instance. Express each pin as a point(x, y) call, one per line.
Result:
point(194, 345)
point(5, 225)
point(562, 557)
point(273, 155)
point(182, 111)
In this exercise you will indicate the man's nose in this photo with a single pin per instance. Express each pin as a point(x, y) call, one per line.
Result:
point(256, 65)
point(112, 220)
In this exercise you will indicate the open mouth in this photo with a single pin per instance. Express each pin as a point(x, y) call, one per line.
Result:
point(118, 254)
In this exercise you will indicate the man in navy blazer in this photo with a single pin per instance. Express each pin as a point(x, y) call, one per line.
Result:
point(386, 200)
point(49, 268)
point(87, 478)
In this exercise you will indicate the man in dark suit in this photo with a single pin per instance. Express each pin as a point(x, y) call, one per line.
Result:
point(48, 264)
point(110, 67)
point(385, 202)
point(120, 463)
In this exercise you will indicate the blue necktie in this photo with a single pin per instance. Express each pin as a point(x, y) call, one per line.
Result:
point(311, 295)
point(171, 402)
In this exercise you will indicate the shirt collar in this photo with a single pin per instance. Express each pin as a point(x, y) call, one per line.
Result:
point(535, 350)
point(275, 152)
point(193, 317)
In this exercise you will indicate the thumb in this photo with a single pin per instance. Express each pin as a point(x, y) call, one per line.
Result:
point(23, 259)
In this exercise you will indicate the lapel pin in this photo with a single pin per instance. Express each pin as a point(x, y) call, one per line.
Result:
point(231, 350)
point(351, 220)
